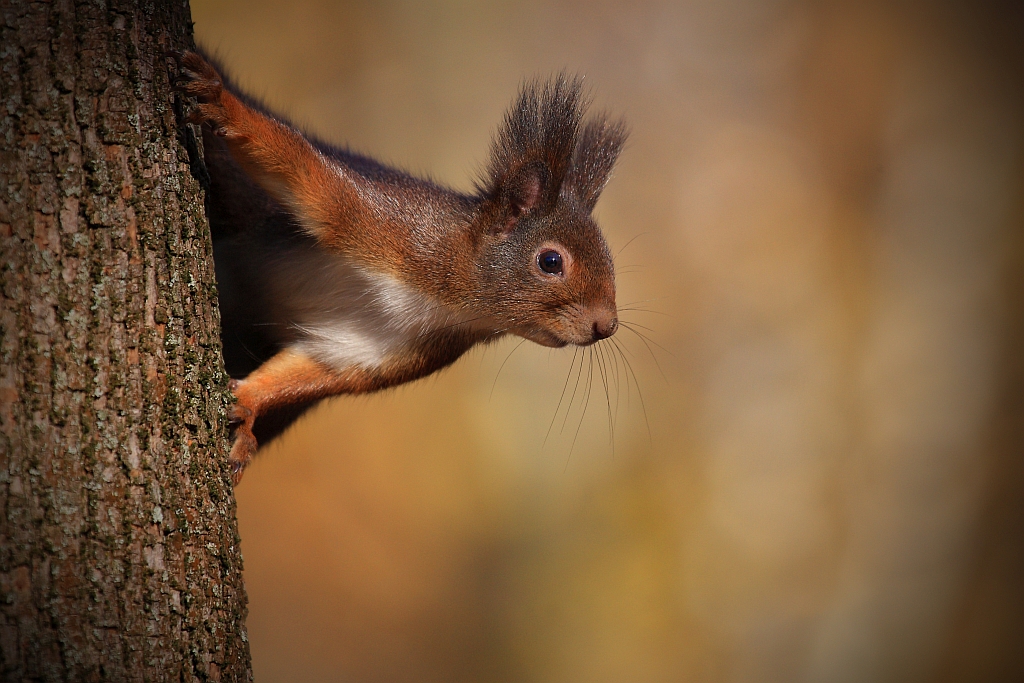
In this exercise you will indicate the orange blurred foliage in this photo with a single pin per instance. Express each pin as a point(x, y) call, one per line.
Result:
point(817, 471)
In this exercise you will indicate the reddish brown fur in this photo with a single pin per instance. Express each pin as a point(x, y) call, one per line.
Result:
point(292, 378)
point(477, 255)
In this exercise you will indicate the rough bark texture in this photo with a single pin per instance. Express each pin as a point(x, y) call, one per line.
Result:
point(119, 555)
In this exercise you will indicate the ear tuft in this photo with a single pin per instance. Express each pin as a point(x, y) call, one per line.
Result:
point(533, 151)
point(599, 146)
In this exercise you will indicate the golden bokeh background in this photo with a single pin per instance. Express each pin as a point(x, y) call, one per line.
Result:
point(820, 476)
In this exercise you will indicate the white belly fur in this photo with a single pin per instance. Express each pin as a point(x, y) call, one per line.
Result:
point(345, 315)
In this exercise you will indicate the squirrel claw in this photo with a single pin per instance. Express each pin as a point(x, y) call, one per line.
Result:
point(242, 452)
point(237, 469)
point(195, 77)
point(244, 446)
point(239, 414)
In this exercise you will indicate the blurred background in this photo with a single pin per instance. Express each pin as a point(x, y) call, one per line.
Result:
point(817, 473)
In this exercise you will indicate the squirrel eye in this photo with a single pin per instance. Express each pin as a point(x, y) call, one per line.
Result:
point(550, 262)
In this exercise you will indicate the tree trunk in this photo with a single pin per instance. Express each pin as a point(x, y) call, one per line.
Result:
point(119, 554)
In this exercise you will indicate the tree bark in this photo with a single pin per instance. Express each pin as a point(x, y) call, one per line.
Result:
point(119, 551)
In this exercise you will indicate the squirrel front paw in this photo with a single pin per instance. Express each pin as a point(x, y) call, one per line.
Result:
point(244, 446)
point(197, 78)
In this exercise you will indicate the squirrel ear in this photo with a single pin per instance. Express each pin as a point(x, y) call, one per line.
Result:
point(521, 193)
point(525, 189)
point(533, 150)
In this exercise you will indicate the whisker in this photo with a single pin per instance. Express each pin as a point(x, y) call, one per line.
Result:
point(631, 240)
point(249, 352)
point(586, 404)
point(618, 391)
point(646, 301)
point(644, 310)
point(642, 327)
point(618, 386)
point(647, 341)
point(579, 374)
point(639, 392)
point(607, 399)
point(503, 367)
point(630, 326)
point(565, 386)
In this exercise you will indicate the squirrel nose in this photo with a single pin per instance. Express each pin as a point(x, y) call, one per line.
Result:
point(605, 327)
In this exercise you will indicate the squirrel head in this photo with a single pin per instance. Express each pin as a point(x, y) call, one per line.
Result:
point(545, 269)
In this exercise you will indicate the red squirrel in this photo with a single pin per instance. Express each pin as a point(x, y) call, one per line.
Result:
point(340, 275)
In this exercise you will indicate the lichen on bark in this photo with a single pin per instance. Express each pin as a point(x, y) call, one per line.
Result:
point(119, 551)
